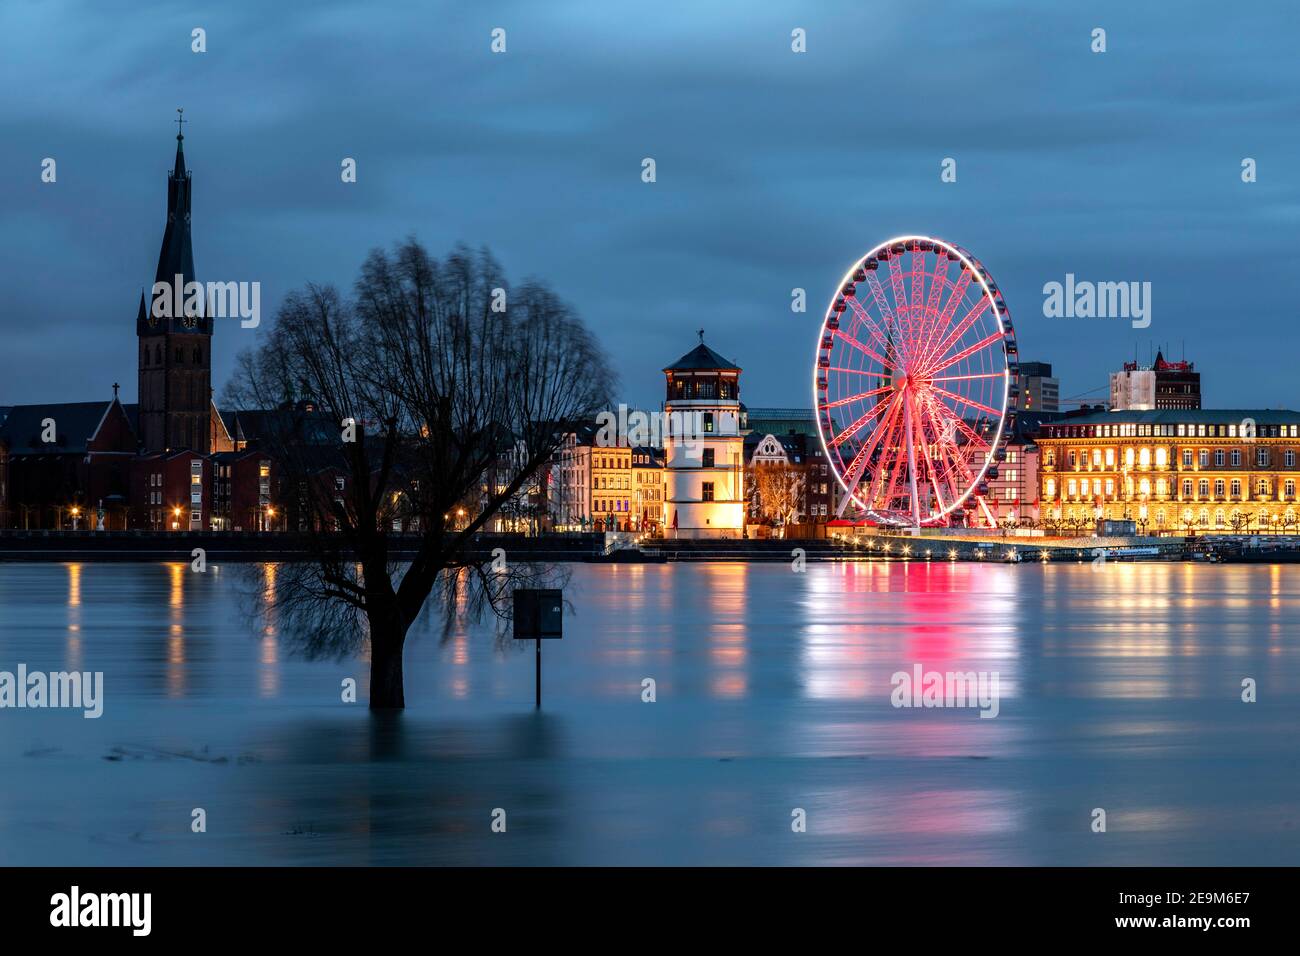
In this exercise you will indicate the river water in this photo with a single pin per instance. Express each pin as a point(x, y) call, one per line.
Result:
point(1120, 688)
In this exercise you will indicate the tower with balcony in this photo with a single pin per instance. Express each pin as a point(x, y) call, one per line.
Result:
point(704, 469)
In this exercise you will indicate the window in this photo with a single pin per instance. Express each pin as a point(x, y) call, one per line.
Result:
point(339, 482)
point(1218, 487)
point(707, 493)
point(1218, 458)
point(1261, 457)
point(1288, 458)
point(1187, 487)
point(1203, 488)
point(1235, 458)
point(1187, 458)
point(1110, 457)
point(708, 458)
point(1290, 487)
point(708, 421)
point(1263, 486)
point(1236, 487)
point(1205, 456)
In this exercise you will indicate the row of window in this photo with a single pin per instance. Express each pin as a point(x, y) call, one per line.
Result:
point(1221, 518)
point(1106, 487)
point(1142, 457)
point(1246, 428)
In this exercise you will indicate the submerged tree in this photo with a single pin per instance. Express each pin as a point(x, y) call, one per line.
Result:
point(436, 384)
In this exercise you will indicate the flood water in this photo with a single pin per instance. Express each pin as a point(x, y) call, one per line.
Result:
point(1120, 689)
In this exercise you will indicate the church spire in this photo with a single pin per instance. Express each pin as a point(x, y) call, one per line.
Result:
point(179, 171)
point(177, 256)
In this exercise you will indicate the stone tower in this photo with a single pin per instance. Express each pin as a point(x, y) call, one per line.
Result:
point(704, 474)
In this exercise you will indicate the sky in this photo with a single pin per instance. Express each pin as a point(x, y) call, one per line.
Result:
point(775, 170)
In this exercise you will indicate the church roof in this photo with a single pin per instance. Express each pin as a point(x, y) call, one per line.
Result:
point(702, 358)
point(75, 425)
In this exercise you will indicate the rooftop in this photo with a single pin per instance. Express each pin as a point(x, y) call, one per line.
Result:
point(702, 358)
point(1189, 416)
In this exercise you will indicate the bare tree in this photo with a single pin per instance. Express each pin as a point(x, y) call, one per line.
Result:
point(778, 487)
point(435, 385)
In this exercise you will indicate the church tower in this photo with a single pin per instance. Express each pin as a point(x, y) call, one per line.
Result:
point(175, 343)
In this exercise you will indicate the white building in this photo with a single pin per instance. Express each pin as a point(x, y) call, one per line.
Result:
point(704, 474)
point(1132, 390)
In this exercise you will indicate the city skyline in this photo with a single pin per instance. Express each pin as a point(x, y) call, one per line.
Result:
point(1049, 173)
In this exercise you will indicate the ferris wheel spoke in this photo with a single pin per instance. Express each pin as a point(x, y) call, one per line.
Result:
point(964, 378)
point(933, 324)
point(955, 299)
point(923, 467)
point(970, 403)
point(959, 330)
point(845, 337)
point(964, 353)
point(849, 399)
point(864, 317)
point(886, 310)
point(946, 444)
point(857, 426)
point(859, 463)
point(904, 320)
point(918, 287)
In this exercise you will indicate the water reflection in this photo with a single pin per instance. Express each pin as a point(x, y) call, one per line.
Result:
point(772, 692)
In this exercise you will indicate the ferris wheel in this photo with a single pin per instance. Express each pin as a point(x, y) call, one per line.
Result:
point(915, 384)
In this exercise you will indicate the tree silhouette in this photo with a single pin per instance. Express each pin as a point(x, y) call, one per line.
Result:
point(457, 388)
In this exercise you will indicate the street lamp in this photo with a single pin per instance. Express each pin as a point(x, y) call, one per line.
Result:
point(76, 513)
point(176, 518)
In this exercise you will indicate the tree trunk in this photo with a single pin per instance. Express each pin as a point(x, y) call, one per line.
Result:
point(386, 687)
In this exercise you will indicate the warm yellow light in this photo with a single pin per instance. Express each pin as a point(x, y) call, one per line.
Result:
point(176, 511)
point(270, 512)
point(76, 512)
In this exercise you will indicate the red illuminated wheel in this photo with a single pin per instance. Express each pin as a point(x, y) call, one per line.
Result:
point(914, 383)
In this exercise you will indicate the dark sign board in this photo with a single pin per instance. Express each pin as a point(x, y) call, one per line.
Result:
point(539, 613)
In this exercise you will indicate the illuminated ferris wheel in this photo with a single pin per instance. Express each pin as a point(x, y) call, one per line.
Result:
point(915, 382)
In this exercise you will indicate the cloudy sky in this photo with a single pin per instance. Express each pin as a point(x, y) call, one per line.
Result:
point(775, 169)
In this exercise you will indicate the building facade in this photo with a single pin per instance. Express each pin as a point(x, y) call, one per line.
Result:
point(1039, 391)
point(1195, 470)
point(611, 487)
point(704, 469)
point(788, 484)
point(1162, 385)
point(647, 490)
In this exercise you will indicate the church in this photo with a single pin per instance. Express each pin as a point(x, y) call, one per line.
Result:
point(171, 461)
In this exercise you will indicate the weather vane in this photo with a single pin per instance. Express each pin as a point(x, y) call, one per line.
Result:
point(180, 118)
